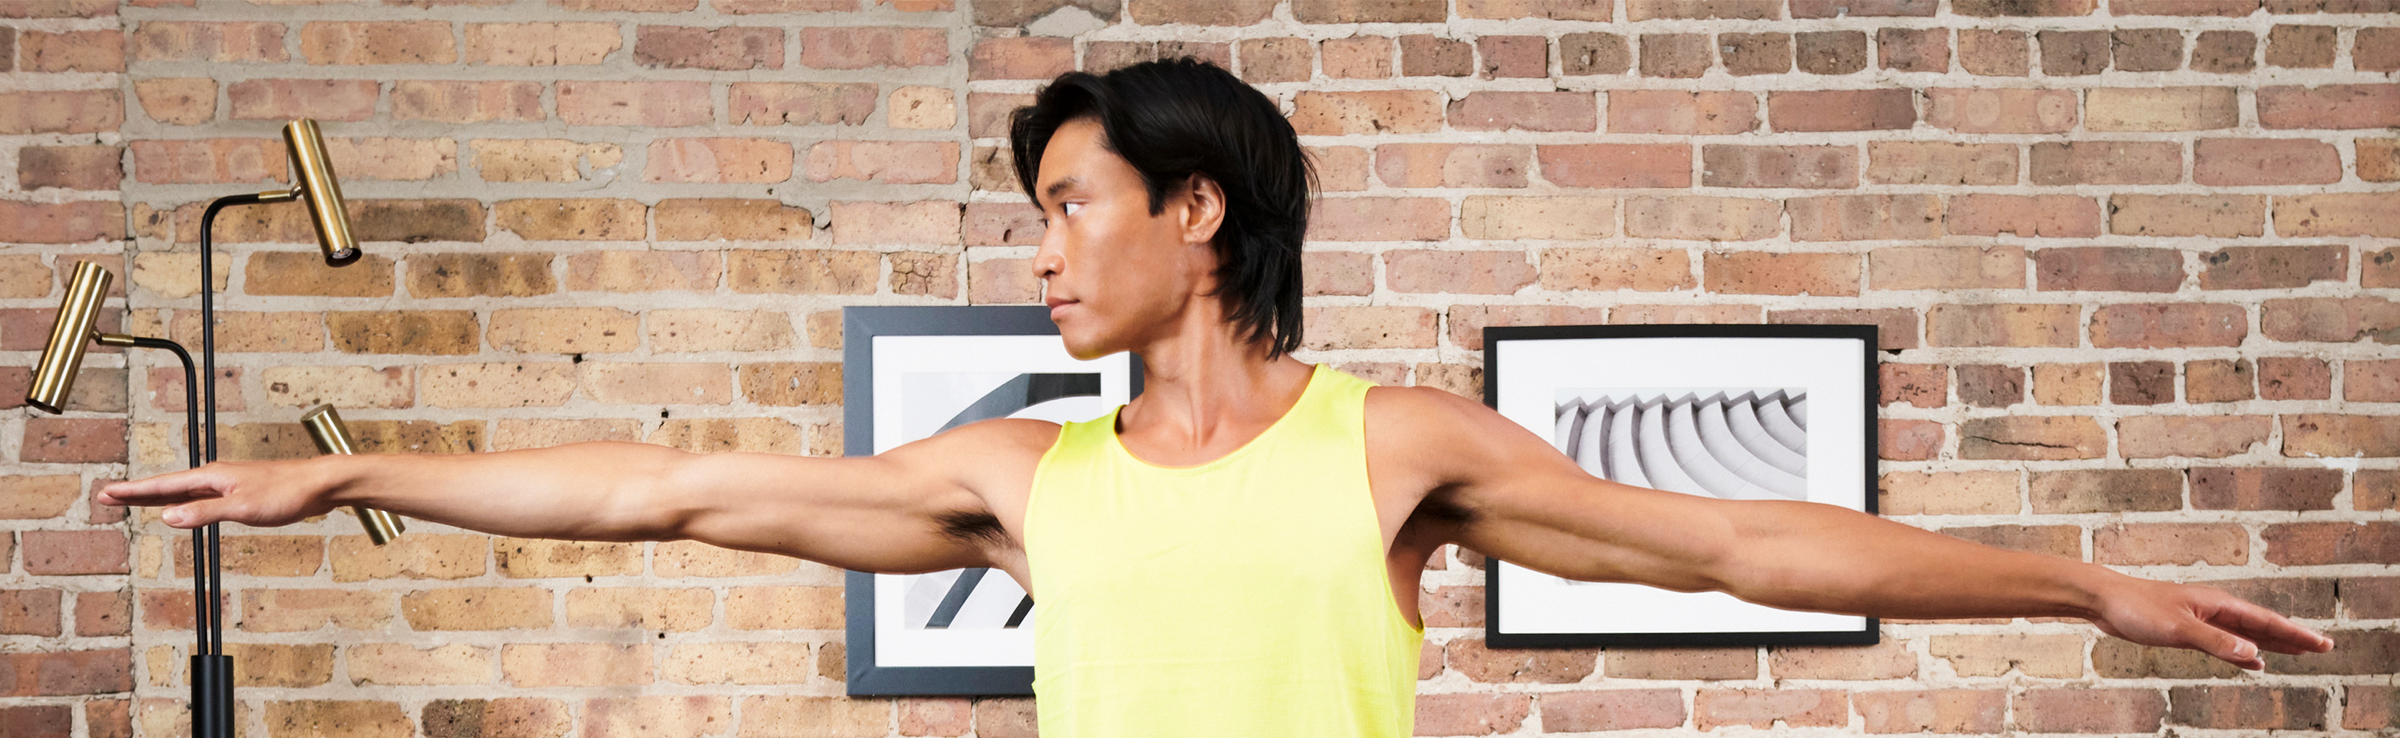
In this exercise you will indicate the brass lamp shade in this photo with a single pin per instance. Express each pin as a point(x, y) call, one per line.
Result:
point(54, 378)
point(325, 427)
point(321, 191)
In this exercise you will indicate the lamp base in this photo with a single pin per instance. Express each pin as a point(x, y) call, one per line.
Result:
point(212, 696)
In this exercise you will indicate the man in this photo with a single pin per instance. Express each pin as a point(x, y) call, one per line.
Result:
point(1236, 552)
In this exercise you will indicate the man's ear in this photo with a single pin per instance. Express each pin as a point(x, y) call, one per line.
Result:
point(1204, 210)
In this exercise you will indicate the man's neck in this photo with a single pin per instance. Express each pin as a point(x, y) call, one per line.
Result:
point(1207, 390)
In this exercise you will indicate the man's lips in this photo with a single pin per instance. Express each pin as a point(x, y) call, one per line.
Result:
point(1057, 303)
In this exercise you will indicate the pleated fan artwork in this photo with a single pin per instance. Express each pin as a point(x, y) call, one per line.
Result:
point(1734, 444)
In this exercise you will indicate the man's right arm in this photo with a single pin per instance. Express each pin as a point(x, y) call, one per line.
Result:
point(898, 512)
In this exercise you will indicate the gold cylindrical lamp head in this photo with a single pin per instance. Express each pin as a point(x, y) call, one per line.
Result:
point(54, 377)
point(325, 427)
point(321, 191)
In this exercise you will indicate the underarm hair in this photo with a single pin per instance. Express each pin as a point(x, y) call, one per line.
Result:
point(1440, 508)
point(978, 528)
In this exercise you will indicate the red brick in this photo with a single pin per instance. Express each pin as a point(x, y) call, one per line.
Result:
point(1920, 385)
point(209, 42)
point(2235, 488)
point(2246, 706)
point(2371, 380)
point(1682, 663)
point(2273, 267)
point(1362, 113)
point(2206, 436)
point(65, 673)
point(2090, 710)
point(2024, 8)
point(33, 612)
point(1702, 218)
point(1458, 272)
point(2046, 437)
point(1471, 714)
point(1744, 9)
point(2161, 108)
point(1452, 165)
point(2341, 435)
point(1941, 163)
point(1909, 440)
point(73, 441)
point(72, 51)
point(1842, 110)
point(1357, 57)
point(209, 161)
point(1022, 57)
point(1864, 217)
point(802, 103)
point(729, 49)
point(1618, 165)
point(1907, 49)
point(1469, 657)
point(2042, 216)
point(2000, 110)
point(1367, 327)
point(1933, 711)
point(2227, 8)
point(2294, 378)
point(2220, 216)
point(1675, 55)
point(1380, 219)
point(1946, 267)
point(1270, 60)
point(1816, 167)
point(2265, 161)
point(383, 42)
point(2106, 490)
point(1896, 328)
point(542, 44)
point(2318, 544)
point(868, 47)
point(1369, 11)
point(1583, 54)
point(1613, 709)
point(891, 162)
point(1468, 321)
point(654, 104)
point(1424, 55)
point(2342, 214)
point(323, 99)
point(1762, 273)
point(1746, 54)
point(2330, 319)
point(2168, 325)
point(74, 552)
point(1585, 10)
point(1691, 113)
point(1763, 708)
point(1514, 56)
point(63, 111)
point(2072, 53)
point(1525, 111)
point(1993, 53)
point(2106, 162)
point(2106, 268)
point(2141, 383)
point(466, 102)
point(70, 167)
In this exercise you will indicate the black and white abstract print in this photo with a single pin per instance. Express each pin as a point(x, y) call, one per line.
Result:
point(1734, 444)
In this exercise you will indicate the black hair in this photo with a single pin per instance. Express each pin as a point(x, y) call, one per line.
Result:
point(1174, 118)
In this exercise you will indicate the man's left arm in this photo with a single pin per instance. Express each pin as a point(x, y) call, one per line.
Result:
point(1512, 496)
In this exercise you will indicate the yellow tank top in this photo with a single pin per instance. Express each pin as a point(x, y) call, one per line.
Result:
point(1246, 597)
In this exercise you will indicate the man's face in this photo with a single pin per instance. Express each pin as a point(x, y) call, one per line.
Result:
point(1117, 277)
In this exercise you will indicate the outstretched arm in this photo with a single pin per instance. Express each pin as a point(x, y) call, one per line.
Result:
point(912, 509)
point(1523, 502)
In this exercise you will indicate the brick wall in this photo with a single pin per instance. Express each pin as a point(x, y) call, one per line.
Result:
point(2136, 258)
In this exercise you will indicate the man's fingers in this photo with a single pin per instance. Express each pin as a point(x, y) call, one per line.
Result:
point(165, 489)
point(2269, 630)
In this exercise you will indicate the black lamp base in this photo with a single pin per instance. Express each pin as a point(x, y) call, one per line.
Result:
point(212, 696)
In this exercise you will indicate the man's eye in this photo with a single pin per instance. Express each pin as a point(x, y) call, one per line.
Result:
point(1071, 207)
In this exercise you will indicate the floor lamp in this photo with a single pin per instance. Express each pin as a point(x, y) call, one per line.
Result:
point(211, 668)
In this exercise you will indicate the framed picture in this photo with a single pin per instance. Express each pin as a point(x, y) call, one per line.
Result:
point(909, 373)
point(1738, 412)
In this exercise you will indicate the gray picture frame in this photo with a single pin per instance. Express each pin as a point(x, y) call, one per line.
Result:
point(867, 675)
point(1855, 342)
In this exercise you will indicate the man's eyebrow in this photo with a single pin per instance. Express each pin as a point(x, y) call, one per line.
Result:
point(1051, 192)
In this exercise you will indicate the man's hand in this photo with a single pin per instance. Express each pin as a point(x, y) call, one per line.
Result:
point(2203, 619)
point(257, 493)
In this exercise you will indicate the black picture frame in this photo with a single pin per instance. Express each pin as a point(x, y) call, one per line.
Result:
point(867, 676)
point(1501, 344)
